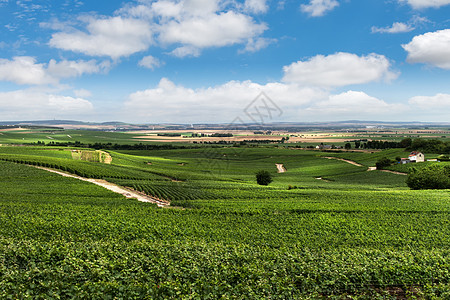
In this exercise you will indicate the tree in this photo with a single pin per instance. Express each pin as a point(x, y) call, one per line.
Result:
point(383, 162)
point(432, 177)
point(348, 146)
point(263, 177)
point(406, 143)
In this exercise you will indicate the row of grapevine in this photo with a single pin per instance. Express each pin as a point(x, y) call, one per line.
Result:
point(81, 168)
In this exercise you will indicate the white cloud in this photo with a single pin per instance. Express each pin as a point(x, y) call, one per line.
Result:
point(186, 25)
point(396, 27)
point(169, 102)
point(67, 68)
point(353, 105)
point(419, 4)
point(150, 62)
point(256, 6)
point(339, 69)
point(439, 102)
point(32, 104)
point(213, 30)
point(317, 8)
point(114, 37)
point(82, 93)
point(430, 48)
point(137, 11)
point(201, 7)
point(185, 51)
point(431, 108)
point(25, 70)
point(254, 45)
point(167, 9)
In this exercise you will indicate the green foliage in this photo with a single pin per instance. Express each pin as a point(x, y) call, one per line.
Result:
point(432, 177)
point(362, 235)
point(443, 157)
point(430, 146)
point(406, 143)
point(383, 163)
point(263, 177)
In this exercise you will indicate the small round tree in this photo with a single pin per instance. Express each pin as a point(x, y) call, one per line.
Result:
point(382, 163)
point(431, 177)
point(263, 177)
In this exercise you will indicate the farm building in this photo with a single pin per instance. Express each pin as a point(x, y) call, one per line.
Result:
point(404, 161)
point(416, 157)
point(413, 157)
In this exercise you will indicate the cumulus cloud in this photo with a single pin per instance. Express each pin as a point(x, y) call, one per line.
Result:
point(82, 93)
point(437, 102)
point(430, 48)
point(256, 6)
point(31, 104)
point(420, 4)
point(254, 45)
point(351, 105)
point(397, 27)
point(187, 25)
point(431, 108)
point(339, 69)
point(150, 62)
point(26, 70)
point(185, 51)
point(114, 37)
point(213, 30)
point(318, 8)
point(169, 102)
point(67, 68)
point(167, 9)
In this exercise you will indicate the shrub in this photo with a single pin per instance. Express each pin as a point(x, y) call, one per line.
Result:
point(263, 177)
point(383, 162)
point(444, 158)
point(432, 177)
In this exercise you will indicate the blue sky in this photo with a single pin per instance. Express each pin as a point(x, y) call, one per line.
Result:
point(194, 61)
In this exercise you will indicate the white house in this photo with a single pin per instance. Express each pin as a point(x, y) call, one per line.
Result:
point(416, 157)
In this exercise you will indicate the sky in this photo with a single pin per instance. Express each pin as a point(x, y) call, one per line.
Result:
point(214, 61)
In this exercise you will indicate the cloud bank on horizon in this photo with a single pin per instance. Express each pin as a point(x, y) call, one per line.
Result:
point(188, 61)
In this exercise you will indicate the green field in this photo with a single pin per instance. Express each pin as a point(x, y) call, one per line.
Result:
point(350, 234)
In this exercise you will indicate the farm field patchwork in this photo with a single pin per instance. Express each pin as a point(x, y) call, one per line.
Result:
point(352, 233)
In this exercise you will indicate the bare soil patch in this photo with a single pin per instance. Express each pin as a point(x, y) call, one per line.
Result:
point(394, 172)
point(345, 160)
point(13, 129)
point(129, 193)
point(280, 168)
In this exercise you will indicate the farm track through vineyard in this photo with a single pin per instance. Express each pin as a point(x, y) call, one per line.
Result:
point(112, 187)
point(345, 160)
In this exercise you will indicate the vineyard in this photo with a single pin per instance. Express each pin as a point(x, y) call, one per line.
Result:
point(350, 234)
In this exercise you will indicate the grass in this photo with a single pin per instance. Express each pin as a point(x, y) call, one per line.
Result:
point(360, 234)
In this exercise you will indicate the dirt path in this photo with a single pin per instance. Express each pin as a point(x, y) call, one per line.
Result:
point(387, 171)
point(280, 168)
point(394, 172)
point(369, 169)
point(346, 160)
point(113, 187)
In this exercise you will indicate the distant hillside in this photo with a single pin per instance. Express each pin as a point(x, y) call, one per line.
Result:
point(115, 125)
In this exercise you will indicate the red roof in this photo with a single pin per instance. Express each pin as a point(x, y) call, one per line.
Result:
point(414, 153)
